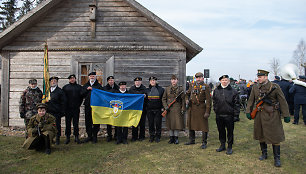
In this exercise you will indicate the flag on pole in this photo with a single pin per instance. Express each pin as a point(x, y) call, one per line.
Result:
point(116, 109)
point(46, 84)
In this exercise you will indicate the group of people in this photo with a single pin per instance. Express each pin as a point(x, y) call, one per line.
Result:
point(266, 105)
point(295, 96)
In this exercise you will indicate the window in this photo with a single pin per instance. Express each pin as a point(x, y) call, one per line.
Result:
point(86, 68)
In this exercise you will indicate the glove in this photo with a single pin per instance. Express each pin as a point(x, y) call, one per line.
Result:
point(22, 115)
point(248, 115)
point(206, 115)
point(286, 119)
point(34, 132)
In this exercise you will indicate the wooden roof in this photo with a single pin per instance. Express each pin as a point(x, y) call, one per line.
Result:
point(8, 35)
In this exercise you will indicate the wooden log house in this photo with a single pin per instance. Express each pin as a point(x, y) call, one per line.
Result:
point(112, 37)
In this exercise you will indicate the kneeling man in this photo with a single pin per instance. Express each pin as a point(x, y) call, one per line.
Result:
point(41, 130)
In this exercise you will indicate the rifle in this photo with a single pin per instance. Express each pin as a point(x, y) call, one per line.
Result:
point(261, 102)
point(38, 130)
point(166, 110)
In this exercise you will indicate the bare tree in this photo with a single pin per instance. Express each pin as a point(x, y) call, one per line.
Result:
point(275, 66)
point(299, 56)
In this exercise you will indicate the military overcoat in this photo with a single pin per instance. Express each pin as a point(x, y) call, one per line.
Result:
point(268, 126)
point(199, 99)
point(174, 117)
point(48, 128)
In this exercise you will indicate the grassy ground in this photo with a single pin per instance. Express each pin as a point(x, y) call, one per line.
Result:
point(145, 157)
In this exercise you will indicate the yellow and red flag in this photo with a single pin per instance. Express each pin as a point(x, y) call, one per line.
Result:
point(46, 84)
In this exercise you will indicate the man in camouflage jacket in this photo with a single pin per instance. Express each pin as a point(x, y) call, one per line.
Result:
point(28, 100)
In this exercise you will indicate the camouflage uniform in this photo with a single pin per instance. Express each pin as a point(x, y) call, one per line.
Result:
point(27, 104)
point(235, 86)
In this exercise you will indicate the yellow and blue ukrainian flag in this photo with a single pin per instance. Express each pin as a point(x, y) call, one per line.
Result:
point(116, 109)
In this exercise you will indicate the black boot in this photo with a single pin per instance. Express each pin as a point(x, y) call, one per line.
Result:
point(47, 145)
point(221, 148)
point(94, 139)
point(152, 137)
point(204, 140)
point(191, 138)
point(67, 140)
point(229, 150)
point(57, 141)
point(171, 141)
point(176, 141)
point(77, 140)
point(87, 139)
point(157, 139)
point(276, 153)
point(109, 138)
point(264, 151)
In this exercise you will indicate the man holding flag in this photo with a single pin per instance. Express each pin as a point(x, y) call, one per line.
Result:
point(111, 86)
point(122, 132)
point(91, 130)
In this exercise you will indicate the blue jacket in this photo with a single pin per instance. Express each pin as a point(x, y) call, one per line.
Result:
point(299, 94)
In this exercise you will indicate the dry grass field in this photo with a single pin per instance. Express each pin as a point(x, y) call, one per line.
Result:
point(145, 157)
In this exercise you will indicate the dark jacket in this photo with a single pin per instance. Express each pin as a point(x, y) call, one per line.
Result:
point(73, 92)
point(57, 104)
point(113, 89)
point(285, 86)
point(141, 90)
point(155, 102)
point(299, 94)
point(243, 89)
point(226, 101)
point(87, 93)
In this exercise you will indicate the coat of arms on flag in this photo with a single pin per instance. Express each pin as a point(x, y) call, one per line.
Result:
point(117, 106)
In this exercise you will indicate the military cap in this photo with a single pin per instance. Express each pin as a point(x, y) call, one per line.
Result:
point(138, 79)
point(33, 81)
point(152, 78)
point(261, 72)
point(302, 77)
point(122, 83)
point(41, 105)
point(232, 79)
point(72, 75)
point(54, 77)
point(199, 74)
point(110, 77)
point(173, 77)
point(277, 77)
point(92, 73)
point(223, 77)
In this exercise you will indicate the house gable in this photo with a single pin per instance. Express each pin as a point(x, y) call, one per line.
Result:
point(117, 26)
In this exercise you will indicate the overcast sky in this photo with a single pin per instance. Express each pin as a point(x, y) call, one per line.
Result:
point(237, 36)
